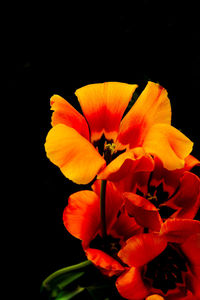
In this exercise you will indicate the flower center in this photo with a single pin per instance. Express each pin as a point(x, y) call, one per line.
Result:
point(109, 245)
point(166, 270)
point(158, 196)
point(107, 149)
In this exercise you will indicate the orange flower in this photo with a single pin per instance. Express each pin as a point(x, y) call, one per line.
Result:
point(84, 147)
point(81, 218)
point(165, 263)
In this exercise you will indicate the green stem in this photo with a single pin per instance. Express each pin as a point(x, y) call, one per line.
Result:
point(64, 271)
point(103, 208)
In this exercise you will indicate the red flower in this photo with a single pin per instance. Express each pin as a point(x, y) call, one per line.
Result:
point(165, 263)
point(82, 219)
point(152, 197)
point(84, 147)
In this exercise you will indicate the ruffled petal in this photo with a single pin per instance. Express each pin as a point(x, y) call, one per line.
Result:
point(103, 105)
point(131, 286)
point(108, 265)
point(144, 212)
point(81, 217)
point(142, 248)
point(134, 160)
point(73, 154)
point(178, 230)
point(152, 106)
point(187, 200)
point(65, 113)
point(169, 144)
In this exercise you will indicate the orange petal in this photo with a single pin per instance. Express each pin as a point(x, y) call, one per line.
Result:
point(178, 230)
point(81, 217)
point(108, 265)
point(169, 144)
point(191, 162)
point(155, 297)
point(65, 113)
point(103, 105)
point(151, 107)
point(73, 154)
point(144, 212)
point(131, 286)
point(142, 248)
point(134, 160)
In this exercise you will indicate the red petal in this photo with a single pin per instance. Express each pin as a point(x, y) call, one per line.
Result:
point(187, 198)
point(131, 286)
point(191, 162)
point(108, 265)
point(178, 230)
point(144, 212)
point(131, 161)
point(152, 106)
point(81, 217)
point(103, 105)
point(65, 113)
point(142, 248)
point(191, 248)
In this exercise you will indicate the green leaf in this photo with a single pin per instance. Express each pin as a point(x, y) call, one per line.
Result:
point(67, 295)
point(69, 278)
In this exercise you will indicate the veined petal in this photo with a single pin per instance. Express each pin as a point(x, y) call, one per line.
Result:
point(108, 265)
point(142, 248)
point(81, 216)
point(178, 230)
point(131, 286)
point(73, 154)
point(134, 160)
point(169, 144)
point(151, 107)
point(103, 105)
point(65, 113)
point(144, 212)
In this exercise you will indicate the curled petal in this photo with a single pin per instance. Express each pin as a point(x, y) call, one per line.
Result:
point(142, 248)
point(73, 154)
point(151, 107)
point(178, 230)
point(108, 265)
point(81, 217)
point(169, 144)
point(131, 286)
point(134, 160)
point(144, 212)
point(186, 200)
point(65, 113)
point(103, 105)
point(191, 162)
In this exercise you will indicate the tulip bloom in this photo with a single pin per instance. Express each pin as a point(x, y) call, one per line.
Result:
point(164, 264)
point(152, 197)
point(102, 143)
point(81, 218)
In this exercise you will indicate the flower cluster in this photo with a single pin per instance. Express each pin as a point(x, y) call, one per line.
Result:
point(137, 223)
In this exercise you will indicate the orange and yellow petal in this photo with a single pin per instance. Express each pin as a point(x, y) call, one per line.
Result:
point(103, 105)
point(65, 113)
point(155, 297)
point(179, 230)
point(81, 216)
point(191, 162)
point(142, 248)
point(135, 160)
point(108, 265)
point(131, 286)
point(144, 212)
point(169, 144)
point(73, 154)
point(151, 107)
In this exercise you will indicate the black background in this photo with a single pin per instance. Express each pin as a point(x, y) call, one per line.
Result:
point(59, 50)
